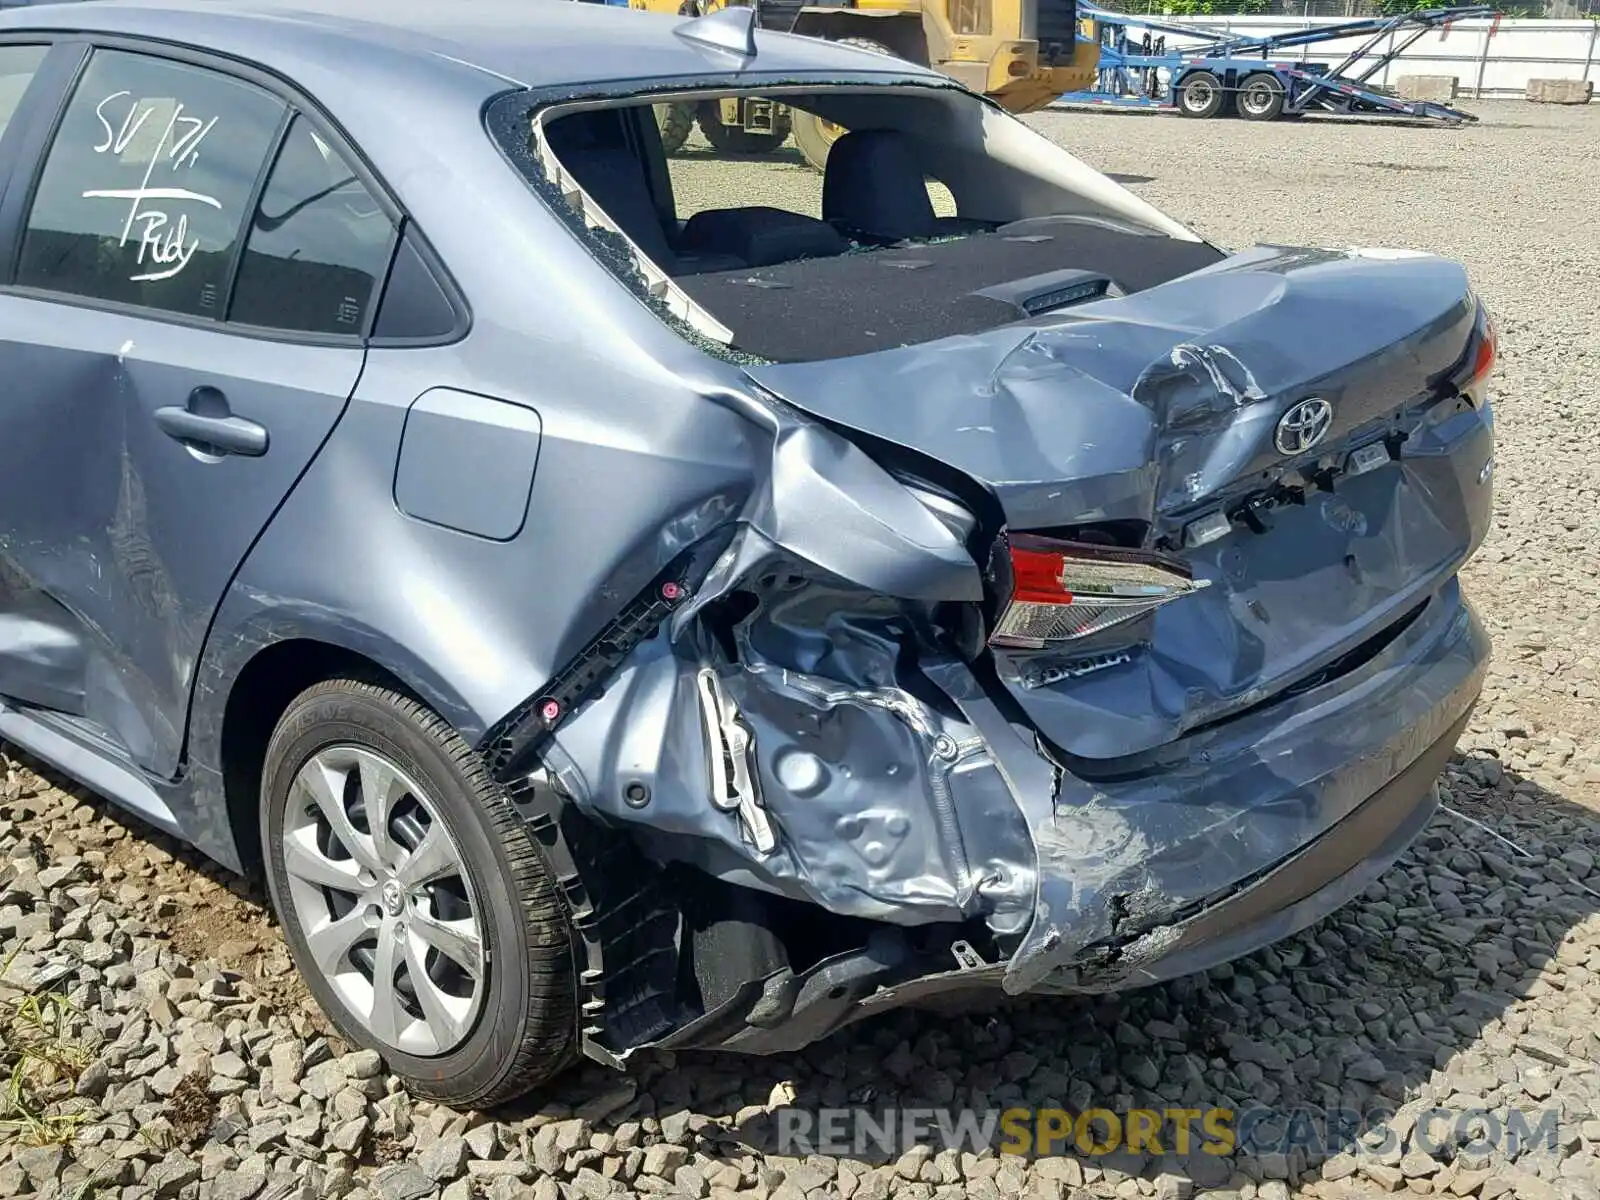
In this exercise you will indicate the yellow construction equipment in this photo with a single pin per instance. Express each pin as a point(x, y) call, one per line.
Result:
point(1020, 53)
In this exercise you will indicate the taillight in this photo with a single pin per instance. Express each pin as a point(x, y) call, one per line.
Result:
point(1483, 355)
point(1061, 591)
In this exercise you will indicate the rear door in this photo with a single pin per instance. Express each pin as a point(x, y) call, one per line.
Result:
point(191, 288)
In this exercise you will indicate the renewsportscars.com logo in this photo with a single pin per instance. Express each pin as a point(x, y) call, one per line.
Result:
point(1095, 1132)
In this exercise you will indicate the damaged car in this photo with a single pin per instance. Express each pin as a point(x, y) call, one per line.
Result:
point(619, 602)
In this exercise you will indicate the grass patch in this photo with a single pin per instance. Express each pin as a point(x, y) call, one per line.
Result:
point(40, 1059)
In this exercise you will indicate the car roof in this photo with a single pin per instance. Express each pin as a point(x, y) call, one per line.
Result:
point(533, 43)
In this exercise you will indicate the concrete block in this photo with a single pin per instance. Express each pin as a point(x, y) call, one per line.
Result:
point(1560, 91)
point(1441, 89)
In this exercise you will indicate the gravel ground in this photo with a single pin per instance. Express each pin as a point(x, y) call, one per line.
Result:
point(190, 1064)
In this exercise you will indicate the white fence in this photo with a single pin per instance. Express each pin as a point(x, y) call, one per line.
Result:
point(1488, 57)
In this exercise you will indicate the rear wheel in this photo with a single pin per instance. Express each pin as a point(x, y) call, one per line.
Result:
point(1200, 95)
point(814, 136)
point(1261, 97)
point(730, 139)
point(675, 122)
point(413, 897)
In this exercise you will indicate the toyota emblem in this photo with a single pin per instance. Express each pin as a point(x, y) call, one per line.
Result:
point(1304, 425)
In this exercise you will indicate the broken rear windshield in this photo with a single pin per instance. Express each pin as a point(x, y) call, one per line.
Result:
point(797, 224)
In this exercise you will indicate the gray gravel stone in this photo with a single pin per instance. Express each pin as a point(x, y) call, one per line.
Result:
point(402, 1181)
point(503, 1187)
point(591, 1185)
point(238, 1185)
point(349, 1136)
point(362, 1064)
point(94, 1079)
point(510, 1168)
point(690, 1181)
point(41, 1163)
point(286, 1063)
point(229, 1065)
point(445, 1159)
point(169, 1176)
point(618, 1095)
point(664, 1159)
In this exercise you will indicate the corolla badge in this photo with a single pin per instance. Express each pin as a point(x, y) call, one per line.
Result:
point(1303, 426)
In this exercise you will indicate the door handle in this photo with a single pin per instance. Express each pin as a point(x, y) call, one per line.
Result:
point(205, 424)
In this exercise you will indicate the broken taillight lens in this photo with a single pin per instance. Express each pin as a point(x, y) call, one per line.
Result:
point(1061, 591)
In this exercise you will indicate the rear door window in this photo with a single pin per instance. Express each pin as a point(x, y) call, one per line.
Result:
point(318, 247)
point(148, 183)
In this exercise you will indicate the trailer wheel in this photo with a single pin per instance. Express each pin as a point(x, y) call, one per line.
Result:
point(1261, 97)
point(1200, 95)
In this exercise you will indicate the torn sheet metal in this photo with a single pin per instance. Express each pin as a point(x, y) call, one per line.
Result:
point(730, 763)
point(857, 794)
point(766, 734)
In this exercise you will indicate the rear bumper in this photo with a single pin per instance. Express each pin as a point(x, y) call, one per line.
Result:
point(1293, 895)
point(1238, 836)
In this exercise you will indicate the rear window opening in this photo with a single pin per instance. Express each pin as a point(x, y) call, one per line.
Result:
point(934, 214)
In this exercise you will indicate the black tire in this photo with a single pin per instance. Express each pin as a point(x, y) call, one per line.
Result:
point(676, 123)
point(1261, 97)
point(525, 1028)
point(1200, 95)
point(861, 43)
point(815, 137)
point(729, 139)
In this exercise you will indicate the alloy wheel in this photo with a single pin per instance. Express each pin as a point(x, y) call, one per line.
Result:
point(383, 900)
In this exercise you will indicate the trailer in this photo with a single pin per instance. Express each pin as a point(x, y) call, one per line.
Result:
point(1213, 72)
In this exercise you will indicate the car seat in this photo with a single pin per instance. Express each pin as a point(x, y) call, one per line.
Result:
point(595, 146)
point(874, 189)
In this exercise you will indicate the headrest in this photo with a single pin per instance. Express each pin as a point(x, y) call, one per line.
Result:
point(873, 185)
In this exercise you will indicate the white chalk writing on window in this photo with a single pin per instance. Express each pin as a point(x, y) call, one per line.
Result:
point(165, 244)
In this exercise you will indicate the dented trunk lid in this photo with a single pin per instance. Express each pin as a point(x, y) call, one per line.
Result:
point(1162, 407)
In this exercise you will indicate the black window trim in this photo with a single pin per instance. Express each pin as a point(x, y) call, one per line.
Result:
point(40, 136)
point(258, 187)
point(32, 129)
point(410, 231)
